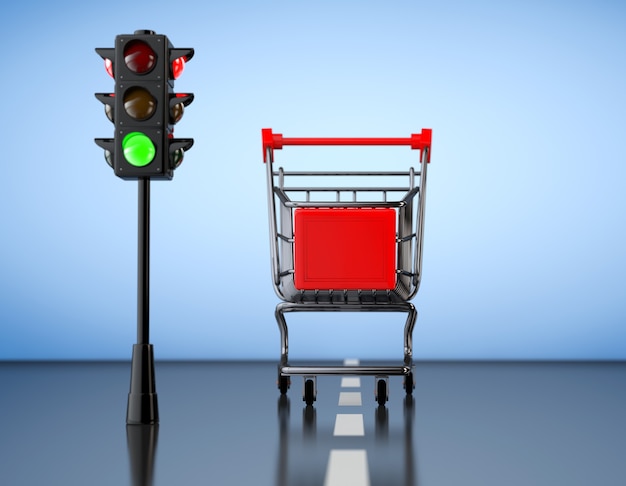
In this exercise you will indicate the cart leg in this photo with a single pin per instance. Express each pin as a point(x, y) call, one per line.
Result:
point(408, 333)
point(283, 381)
point(409, 382)
point(284, 335)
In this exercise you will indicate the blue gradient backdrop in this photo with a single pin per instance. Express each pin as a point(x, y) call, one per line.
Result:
point(525, 236)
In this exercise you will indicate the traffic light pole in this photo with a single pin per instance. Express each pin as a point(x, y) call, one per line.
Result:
point(143, 262)
point(142, 399)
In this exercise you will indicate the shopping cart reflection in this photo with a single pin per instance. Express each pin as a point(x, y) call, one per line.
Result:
point(304, 445)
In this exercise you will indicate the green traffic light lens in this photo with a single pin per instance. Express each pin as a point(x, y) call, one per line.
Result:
point(177, 158)
point(138, 149)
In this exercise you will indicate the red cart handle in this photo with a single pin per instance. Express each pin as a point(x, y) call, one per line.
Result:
point(276, 141)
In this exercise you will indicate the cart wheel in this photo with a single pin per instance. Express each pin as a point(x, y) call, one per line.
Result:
point(284, 382)
point(381, 391)
point(309, 391)
point(409, 384)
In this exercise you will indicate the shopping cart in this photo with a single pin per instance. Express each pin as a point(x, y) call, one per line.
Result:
point(341, 243)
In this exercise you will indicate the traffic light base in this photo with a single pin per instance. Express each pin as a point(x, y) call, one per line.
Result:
point(142, 400)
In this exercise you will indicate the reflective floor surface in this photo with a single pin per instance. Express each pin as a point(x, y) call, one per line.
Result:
point(468, 423)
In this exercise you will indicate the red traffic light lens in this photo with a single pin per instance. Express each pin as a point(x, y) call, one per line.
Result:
point(108, 65)
point(178, 66)
point(139, 57)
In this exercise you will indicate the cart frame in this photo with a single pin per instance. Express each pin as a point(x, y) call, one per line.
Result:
point(408, 201)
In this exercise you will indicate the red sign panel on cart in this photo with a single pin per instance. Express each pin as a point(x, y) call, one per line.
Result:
point(351, 248)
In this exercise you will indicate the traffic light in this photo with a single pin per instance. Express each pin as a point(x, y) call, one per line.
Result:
point(144, 107)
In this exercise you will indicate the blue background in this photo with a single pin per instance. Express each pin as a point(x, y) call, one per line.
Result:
point(524, 242)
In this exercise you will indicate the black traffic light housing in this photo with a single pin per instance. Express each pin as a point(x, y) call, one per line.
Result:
point(144, 107)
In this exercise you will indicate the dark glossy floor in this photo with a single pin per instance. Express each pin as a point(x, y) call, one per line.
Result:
point(224, 424)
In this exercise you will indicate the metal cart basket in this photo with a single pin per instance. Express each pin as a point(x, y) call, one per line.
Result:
point(347, 241)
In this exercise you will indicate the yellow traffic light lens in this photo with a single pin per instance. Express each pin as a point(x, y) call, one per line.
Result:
point(139, 103)
point(176, 112)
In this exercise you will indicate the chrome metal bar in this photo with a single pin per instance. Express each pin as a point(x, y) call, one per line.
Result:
point(407, 307)
point(344, 204)
point(348, 173)
point(287, 369)
point(407, 238)
point(345, 189)
point(271, 204)
point(408, 335)
point(280, 194)
point(411, 194)
point(284, 334)
point(419, 240)
point(281, 178)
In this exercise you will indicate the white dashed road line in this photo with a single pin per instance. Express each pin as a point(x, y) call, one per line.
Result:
point(349, 424)
point(348, 466)
point(350, 399)
point(351, 382)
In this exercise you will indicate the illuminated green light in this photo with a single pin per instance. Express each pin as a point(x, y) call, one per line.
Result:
point(138, 149)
